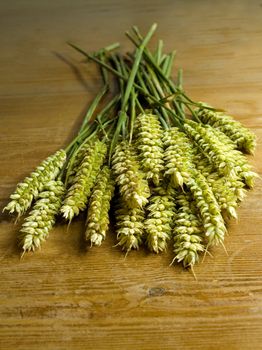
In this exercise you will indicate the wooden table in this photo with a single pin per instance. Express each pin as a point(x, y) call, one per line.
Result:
point(64, 298)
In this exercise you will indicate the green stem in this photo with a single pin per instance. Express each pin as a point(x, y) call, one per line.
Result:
point(103, 126)
point(154, 92)
point(119, 75)
point(95, 59)
point(80, 136)
point(158, 53)
point(129, 86)
point(120, 66)
point(180, 87)
point(91, 109)
point(180, 79)
point(150, 59)
point(104, 72)
point(108, 67)
point(109, 106)
point(121, 121)
point(85, 134)
point(162, 121)
point(165, 64)
point(156, 83)
point(111, 47)
point(106, 49)
point(141, 109)
point(70, 163)
point(170, 63)
point(194, 115)
point(164, 77)
point(132, 114)
point(93, 106)
point(141, 81)
point(138, 57)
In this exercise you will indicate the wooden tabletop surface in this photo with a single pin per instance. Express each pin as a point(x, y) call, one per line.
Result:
point(64, 298)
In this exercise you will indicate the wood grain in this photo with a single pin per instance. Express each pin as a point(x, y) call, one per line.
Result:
point(65, 298)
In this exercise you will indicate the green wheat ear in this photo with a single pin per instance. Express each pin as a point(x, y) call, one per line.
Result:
point(178, 156)
point(218, 148)
point(129, 226)
point(29, 189)
point(208, 207)
point(77, 162)
point(150, 146)
point(131, 180)
point(188, 231)
point(214, 149)
point(243, 138)
point(158, 223)
point(41, 218)
point(98, 208)
point(228, 191)
point(84, 180)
